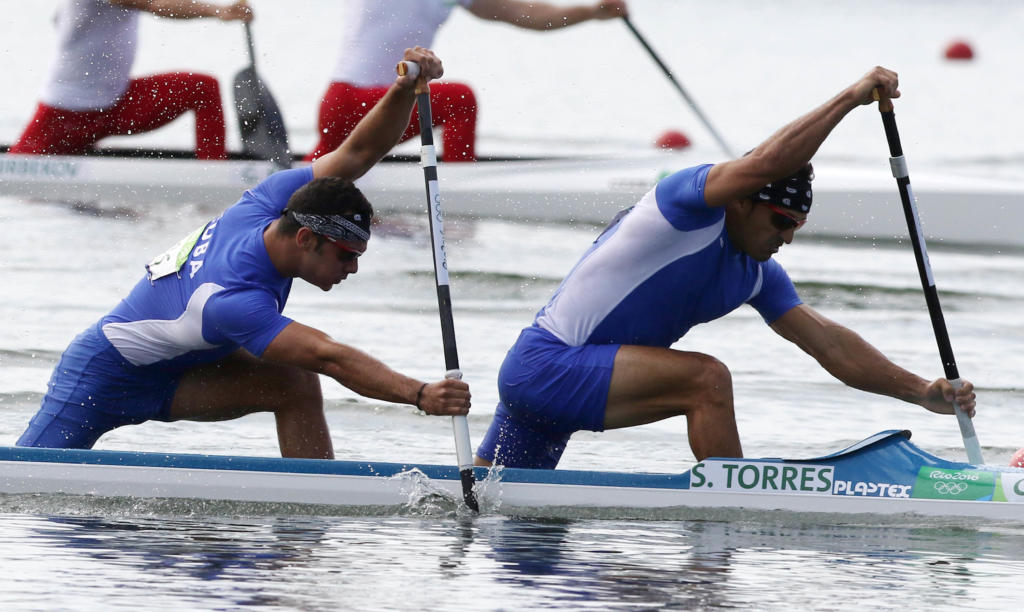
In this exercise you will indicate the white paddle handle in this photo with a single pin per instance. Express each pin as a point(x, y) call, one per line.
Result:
point(405, 67)
point(971, 444)
point(460, 426)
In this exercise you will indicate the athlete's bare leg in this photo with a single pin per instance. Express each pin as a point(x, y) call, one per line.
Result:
point(651, 383)
point(241, 384)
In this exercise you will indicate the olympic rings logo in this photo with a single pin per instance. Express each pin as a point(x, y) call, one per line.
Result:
point(950, 488)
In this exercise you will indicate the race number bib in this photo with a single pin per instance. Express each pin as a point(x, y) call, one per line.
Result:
point(171, 260)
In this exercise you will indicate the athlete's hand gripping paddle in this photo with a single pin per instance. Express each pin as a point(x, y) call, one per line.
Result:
point(428, 159)
point(924, 268)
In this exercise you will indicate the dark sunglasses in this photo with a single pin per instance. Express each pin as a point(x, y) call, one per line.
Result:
point(782, 220)
point(346, 253)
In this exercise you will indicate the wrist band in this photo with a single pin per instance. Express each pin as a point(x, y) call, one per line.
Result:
point(419, 395)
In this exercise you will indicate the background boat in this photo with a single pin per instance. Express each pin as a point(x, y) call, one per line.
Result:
point(851, 201)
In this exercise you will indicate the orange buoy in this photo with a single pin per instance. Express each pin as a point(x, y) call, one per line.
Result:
point(672, 139)
point(1018, 459)
point(959, 50)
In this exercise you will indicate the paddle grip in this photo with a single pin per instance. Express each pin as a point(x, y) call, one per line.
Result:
point(405, 67)
point(412, 68)
point(884, 104)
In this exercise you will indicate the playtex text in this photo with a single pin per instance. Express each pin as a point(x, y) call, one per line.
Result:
point(785, 478)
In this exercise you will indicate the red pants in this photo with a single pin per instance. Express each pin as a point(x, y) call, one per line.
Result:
point(452, 105)
point(149, 103)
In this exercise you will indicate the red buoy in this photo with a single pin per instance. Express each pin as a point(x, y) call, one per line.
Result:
point(1018, 459)
point(959, 50)
point(672, 139)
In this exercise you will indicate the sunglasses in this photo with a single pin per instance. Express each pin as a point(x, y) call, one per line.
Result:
point(782, 220)
point(346, 253)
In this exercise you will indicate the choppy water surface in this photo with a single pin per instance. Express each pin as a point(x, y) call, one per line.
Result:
point(62, 268)
point(67, 268)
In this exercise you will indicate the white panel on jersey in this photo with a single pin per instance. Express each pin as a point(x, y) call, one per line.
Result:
point(149, 341)
point(757, 285)
point(644, 243)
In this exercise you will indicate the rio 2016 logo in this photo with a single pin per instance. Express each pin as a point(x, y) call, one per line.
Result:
point(946, 484)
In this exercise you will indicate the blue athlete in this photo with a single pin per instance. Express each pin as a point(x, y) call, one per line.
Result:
point(202, 335)
point(696, 247)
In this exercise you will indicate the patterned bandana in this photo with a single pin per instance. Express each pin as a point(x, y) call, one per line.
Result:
point(354, 227)
point(793, 192)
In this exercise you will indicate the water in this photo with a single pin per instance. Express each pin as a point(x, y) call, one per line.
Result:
point(372, 564)
point(64, 268)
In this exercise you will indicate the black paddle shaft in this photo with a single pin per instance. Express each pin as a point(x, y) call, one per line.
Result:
point(444, 294)
point(444, 297)
point(252, 47)
point(678, 86)
point(924, 268)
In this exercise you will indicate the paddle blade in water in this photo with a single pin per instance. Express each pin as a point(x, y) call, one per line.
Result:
point(259, 119)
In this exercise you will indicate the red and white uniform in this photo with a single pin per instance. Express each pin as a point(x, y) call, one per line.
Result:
point(90, 95)
point(374, 35)
point(96, 48)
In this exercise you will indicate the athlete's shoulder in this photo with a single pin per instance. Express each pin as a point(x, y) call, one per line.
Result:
point(680, 198)
point(273, 192)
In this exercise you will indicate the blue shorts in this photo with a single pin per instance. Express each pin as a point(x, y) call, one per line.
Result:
point(94, 389)
point(548, 390)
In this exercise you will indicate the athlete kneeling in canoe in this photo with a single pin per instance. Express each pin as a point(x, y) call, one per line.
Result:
point(693, 249)
point(202, 337)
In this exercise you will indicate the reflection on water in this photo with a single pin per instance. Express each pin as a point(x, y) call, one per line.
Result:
point(510, 563)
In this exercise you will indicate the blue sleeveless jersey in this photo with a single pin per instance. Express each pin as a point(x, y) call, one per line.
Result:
point(664, 267)
point(225, 294)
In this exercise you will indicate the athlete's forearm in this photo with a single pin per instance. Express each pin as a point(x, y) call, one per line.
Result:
point(533, 15)
point(860, 365)
point(372, 138)
point(383, 126)
point(311, 349)
point(368, 376)
point(187, 9)
point(790, 148)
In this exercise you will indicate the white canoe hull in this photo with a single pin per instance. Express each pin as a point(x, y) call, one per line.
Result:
point(850, 202)
point(884, 475)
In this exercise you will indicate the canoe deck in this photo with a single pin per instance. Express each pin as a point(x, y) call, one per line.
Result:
point(883, 475)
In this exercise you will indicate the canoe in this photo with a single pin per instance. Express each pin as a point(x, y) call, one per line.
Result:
point(884, 474)
point(851, 201)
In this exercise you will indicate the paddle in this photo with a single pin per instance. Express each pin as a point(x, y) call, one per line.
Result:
point(428, 159)
point(259, 119)
point(686, 96)
point(924, 268)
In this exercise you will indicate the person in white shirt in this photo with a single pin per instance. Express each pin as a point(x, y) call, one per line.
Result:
point(375, 31)
point(90, 94)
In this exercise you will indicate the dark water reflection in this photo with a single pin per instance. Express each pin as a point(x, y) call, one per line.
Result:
point(496, 562)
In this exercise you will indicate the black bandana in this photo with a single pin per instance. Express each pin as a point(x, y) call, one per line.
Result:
point(793, 192)
point(354, 227)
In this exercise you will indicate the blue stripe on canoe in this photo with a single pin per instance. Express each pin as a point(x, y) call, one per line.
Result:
point(334, 467)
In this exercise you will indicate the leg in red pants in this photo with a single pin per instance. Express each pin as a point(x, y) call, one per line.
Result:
point(453, 106)
point(150, 102)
